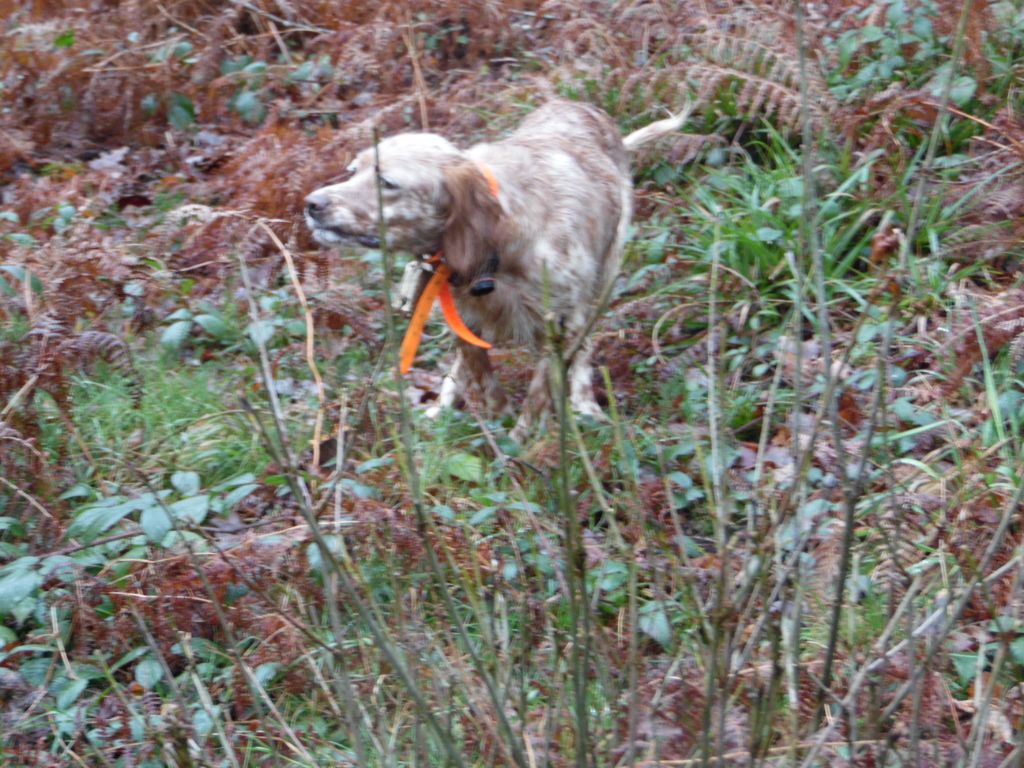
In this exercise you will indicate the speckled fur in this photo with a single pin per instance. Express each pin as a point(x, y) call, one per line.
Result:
point(564, 208)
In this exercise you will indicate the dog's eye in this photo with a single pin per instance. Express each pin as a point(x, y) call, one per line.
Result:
point(388, 183)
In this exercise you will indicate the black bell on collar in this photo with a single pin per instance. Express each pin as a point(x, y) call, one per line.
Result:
point(482, 286)
point(484, 283)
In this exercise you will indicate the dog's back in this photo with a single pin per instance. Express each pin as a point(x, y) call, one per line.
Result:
point(565, 184)
point(585, 128)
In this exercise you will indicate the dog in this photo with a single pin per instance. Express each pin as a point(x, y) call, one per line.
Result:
point(530, 230)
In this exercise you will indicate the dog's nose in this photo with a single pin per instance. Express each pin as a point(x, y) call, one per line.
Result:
point(316, 203)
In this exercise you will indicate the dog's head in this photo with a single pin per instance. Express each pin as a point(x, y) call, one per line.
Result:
point(434, 199)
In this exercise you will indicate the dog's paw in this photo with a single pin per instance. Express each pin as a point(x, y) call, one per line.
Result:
point(433, 412)
point(589, 408)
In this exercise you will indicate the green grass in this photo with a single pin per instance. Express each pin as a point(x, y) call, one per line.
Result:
point(186, 420)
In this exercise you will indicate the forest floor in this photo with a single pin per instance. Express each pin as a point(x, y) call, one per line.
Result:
point(797, 539)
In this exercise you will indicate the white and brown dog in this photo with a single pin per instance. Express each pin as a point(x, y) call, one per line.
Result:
point(529, 227)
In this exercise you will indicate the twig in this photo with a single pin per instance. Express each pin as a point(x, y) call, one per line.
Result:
point(282, 21)
point(422, 519)
point(1018, 146)
point(16, 397)
point(310, 341)
point(184, 25)
point(417, 75)
point(744, 754)
point(354, 600)
point(28, 497)
point(938, 638)
point(100, 66)
point(280, 42)
point(205, 700)
point(938, 128)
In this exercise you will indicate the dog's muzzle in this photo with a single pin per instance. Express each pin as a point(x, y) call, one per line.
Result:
point(317, 205)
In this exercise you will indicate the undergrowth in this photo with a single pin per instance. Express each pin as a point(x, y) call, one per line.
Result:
point(229, 537)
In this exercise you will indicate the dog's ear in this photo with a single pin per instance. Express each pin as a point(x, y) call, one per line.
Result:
point(475, 223)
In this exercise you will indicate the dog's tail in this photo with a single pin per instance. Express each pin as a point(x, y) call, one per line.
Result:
point(656, 130)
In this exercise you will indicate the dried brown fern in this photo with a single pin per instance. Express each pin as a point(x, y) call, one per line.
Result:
point(21, 461)
point(638, 58)
point(980, 21)
point(981, 328)
point(92, 90)
point(87, 347)
point(670, 713)
point(992, 224)
point(889, 116)
point(905, 537)
point(761, 56)
point(51, 350)
point(42, 361)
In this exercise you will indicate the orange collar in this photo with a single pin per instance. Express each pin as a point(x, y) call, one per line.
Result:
point(438, 287)
point(488, 175)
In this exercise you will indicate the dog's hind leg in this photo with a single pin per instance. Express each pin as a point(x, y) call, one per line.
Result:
point(581, 372)
point(581, 384)
point(538, 394)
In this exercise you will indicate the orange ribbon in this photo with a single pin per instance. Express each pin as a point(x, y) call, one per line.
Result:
point(438, 287)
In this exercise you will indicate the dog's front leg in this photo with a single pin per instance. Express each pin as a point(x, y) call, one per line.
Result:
point(452, 384)
point(477, 364)
point(472, 365)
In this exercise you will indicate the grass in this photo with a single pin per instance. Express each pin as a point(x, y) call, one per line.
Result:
point(181, 423)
